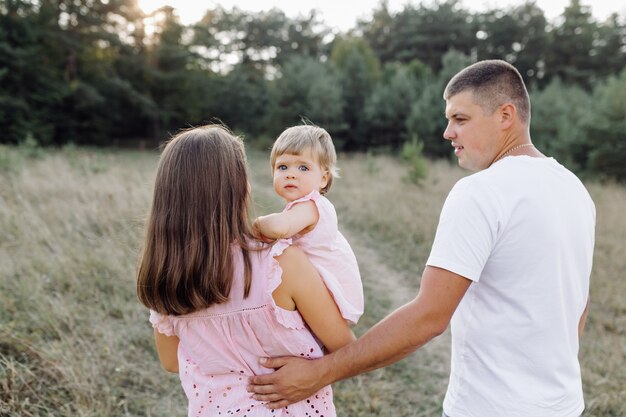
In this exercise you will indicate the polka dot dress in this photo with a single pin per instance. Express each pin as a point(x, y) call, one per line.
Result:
point(220, 346)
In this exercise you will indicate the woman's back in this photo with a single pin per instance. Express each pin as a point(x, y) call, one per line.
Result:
point(220, 346)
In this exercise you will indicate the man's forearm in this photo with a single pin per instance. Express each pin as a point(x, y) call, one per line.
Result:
point(404, 330)
point(389, 341)
point(395, 337)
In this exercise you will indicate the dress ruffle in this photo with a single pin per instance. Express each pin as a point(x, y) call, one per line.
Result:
point(162, 323)
point(287, 318)
point(313, 195)
point(348, 311)
point(329, 256)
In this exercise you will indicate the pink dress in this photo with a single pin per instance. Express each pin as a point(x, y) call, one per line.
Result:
point(220, 346)
point(333, 257)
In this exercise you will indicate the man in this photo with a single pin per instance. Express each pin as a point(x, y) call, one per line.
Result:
point(509, 268)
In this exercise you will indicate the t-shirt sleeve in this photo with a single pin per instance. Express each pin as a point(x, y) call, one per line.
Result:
point(467, 230)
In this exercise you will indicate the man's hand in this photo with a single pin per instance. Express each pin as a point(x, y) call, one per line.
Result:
point(294, 380)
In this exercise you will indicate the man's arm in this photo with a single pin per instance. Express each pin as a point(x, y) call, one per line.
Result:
point(392, 339)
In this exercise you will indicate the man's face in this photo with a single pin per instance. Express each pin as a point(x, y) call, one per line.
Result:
point(474, 134)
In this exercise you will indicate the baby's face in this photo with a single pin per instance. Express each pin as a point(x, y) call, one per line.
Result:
point(297, 175)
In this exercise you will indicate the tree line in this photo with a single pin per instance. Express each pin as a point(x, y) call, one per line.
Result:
point(102, 72)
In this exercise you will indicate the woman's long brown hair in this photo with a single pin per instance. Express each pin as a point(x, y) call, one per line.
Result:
point(199, 210)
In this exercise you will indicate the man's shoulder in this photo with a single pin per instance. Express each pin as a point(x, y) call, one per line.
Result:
point(504, 174)
point(476, 182)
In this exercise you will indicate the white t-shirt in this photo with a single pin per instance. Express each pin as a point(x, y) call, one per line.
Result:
point(523, 232)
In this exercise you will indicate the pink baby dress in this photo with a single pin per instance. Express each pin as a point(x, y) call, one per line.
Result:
point(333, 257)
point(220, 346)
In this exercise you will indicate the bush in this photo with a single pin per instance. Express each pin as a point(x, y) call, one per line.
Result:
point(411, 154)
point(10, 159)
point(30, 147)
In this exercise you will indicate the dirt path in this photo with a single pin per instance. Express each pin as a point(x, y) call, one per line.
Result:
point(415, 386)
point(385, 282)
point(379, 277)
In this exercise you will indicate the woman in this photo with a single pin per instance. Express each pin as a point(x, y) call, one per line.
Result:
point(219, 300)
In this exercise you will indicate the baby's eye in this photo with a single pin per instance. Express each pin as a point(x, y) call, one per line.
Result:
point(303, 168)
point(281, 167)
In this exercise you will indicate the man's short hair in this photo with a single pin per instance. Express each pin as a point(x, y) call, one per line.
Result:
point(493, 83)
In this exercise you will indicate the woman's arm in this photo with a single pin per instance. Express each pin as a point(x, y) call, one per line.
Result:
point(303, 287)
point(283, 225)
point(167, 348)
point(583, 319)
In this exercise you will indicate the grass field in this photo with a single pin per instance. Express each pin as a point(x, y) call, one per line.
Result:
point(74, 340)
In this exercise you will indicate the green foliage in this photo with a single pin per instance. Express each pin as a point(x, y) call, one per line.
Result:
point(426, 118)
point(584, 131)
point(518, 34)
point(359, 71)
point(606, 127)
point(388, 107)
point(30, 89)
point(173, 83)
point(412, 154)
point(30, 148)
point(261, 143)
point(559, 115)
point(99, 73)
point(13, 157)
point(266, 39)
point(243, 99)
point(370, 163)
point(311, 90)
point(10, 159)
point(572, 45)
point(416, 32)
point(609, 52)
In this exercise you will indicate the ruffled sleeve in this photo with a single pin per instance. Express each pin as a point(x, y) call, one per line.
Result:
point(313, 196)
point(324, 234)
point(287, 318)
point(162, 323)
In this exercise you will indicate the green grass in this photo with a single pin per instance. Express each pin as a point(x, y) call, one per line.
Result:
point(74, 340)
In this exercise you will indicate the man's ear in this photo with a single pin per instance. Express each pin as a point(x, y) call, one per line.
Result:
point(508, 113)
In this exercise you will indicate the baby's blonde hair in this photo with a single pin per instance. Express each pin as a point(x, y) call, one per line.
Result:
point(296, 139)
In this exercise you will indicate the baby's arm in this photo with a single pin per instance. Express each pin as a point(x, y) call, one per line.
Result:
point(299, 218)
point(303, 286)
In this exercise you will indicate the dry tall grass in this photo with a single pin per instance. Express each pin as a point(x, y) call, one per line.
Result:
point(75, 341)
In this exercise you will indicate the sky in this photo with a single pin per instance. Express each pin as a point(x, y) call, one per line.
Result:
point(342, 15)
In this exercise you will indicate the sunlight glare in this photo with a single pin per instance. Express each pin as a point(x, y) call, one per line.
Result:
point(189, 11)
point(148, 6)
